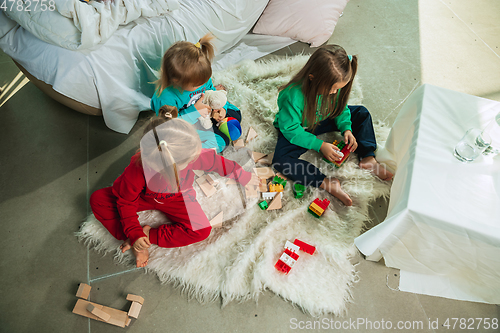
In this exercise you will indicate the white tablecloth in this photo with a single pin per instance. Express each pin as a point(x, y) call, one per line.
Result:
point(443, 224)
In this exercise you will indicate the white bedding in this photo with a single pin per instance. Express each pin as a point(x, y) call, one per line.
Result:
point(117, 76)
point(74, 24)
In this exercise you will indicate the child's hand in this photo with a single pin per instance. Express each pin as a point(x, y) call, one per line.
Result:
point(350, 141)
point(220, 87)
point(142, 244)
point(331, 152)
point(219, 114)
point(203, 109)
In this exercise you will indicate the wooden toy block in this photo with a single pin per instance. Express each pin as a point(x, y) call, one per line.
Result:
point(238, 144)
point(275, 203)
point(251, 192)
point(96, 311)
point(257, 156)
point(212, 180)
point(263, 185)
point(264, 172)
point(135, 298)
point(216, 222)
point(128, 321)
point(208, 189)
point(251, 134)
point(231, 181)
point(117, 317)
point(275, 188)
point(83, 291)
point(267, 160)
point(135, 308)
point(199, 173)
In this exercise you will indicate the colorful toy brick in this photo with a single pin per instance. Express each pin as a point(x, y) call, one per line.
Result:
point(304, 246)
point(288, 258)
point(317, 207)
point(263, 205)
point(298, 190)
point(344, 150)
point(275, 188)
point(278, 180)
point(275, 203)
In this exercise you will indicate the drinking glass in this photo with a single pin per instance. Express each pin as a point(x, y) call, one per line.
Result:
point(472, 145)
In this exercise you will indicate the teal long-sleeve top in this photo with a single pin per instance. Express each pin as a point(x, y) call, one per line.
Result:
point(288, 120)
point(184, 101)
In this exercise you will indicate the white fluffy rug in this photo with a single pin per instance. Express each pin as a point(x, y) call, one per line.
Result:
point(237, 261)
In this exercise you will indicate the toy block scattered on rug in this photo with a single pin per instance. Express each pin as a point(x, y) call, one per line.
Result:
point(279, 174)
point(290, 255)
point(298, 190)
point(251, 134)
point(278, 180)
point(309, 249)
point(268, 195)
point(288, 258)
point(275, 188)
point(83, 291)
point(251, 191)
point(237, 144)
point(230, 181)
point(264, 172)
point(267, 160)
point(263, 205)
point(318, 207)
point(275, 203)
point(136, 306)
point(257, 156)
point(216, 222)
point(205, 186)
point(263, 185)
point(199, 173)
point(343, 150)
point(212, 179)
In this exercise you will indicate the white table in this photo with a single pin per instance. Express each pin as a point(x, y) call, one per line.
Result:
point(443, 224)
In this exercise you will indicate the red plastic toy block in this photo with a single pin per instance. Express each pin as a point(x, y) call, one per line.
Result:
point(305, 247)
point(343, 149)
point(288, 258)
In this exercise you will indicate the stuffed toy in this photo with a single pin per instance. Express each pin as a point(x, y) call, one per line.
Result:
point(216, 99)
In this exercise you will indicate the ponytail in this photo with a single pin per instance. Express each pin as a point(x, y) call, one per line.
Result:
point(186, 64)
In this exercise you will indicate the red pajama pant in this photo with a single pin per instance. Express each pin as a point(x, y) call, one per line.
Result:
point(176, 208)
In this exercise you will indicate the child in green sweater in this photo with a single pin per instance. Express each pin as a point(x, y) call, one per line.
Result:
point(315, 102)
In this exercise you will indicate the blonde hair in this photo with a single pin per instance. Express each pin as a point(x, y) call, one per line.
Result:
point(328, 66)
point(186, 63)
point(166, 144)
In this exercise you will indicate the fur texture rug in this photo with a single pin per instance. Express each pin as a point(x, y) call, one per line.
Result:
point(237, 261)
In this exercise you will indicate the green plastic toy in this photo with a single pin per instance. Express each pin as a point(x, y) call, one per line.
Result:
point(279, 180)
point(298, 190)
point(263, 205)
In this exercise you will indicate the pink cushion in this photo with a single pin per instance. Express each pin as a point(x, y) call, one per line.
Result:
point(309, 21)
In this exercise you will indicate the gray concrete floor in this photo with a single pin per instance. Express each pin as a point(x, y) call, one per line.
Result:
point(53, 158)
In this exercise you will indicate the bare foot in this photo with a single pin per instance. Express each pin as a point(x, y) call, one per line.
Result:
point(141, 257)
point(370, 163)
point(333, 187)
point(126, 246)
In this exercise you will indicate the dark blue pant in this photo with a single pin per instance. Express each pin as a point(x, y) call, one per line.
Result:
point(287, 155)
point(235, 113)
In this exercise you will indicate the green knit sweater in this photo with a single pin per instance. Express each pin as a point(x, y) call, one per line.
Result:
point(289, 119)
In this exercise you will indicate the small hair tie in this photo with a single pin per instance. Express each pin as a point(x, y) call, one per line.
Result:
point(198, 45)
point(167, 115)
point(163, 143)
point(350, 57)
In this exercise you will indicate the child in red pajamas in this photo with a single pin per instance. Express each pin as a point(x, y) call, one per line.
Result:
point(160, 177)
